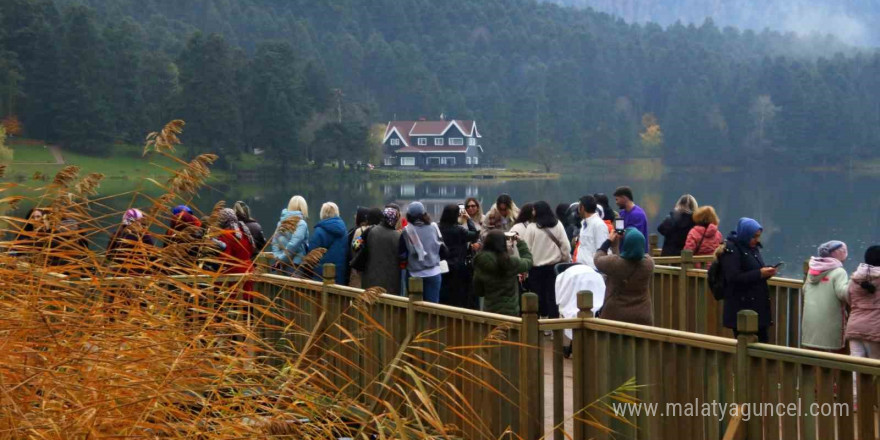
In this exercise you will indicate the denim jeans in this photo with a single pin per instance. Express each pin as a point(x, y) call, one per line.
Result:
point(431, 288)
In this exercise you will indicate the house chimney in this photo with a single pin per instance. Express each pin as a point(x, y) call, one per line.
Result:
point(442, 116)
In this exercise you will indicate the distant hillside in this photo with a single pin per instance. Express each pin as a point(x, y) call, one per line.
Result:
point(852, 21)
point(539, 78)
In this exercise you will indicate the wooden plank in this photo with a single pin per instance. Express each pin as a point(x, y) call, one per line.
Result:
point(825, 396)
point(865, 399)
point(558, 386)
point(808, 397)
point(789, 395)
point(845, 420)
point(771, 379)
point(714, 377)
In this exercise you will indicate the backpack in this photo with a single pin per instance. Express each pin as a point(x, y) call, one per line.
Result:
point(359, 251)
point(715, 277)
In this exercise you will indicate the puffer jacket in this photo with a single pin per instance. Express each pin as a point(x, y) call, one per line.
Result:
point(331, 234)
point(289, 247)
point(864, 319)
point(707, 237)
point(675, 230)
point(496, 279)
point(824, 314)
point(744, 289)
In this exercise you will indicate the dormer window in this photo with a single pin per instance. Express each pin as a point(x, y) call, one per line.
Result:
point(423, 141)
point(395, 142)
point(472, 141)
point(438, 142)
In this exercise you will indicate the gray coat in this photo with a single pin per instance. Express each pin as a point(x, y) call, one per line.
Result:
point(383, 260)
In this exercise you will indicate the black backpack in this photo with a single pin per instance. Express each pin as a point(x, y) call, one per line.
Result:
point(359, 253)
point(715, 277)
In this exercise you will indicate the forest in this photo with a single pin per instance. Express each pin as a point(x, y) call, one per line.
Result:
point(306, 79)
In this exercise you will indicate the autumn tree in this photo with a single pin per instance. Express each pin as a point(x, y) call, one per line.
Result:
point(651, 134)
point(12, 125)
point(549, 154)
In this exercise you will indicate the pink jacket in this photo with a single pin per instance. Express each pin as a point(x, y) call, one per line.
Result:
point(711, 239)
point(864, 319)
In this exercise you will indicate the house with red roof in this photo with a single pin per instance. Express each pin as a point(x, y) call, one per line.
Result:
point(432, 144)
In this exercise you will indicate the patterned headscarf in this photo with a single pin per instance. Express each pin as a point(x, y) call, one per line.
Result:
point(227, 219)
point(391, 216)
point(131, 216)
point(181, 208)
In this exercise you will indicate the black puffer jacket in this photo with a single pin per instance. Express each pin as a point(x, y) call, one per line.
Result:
point(675, 231)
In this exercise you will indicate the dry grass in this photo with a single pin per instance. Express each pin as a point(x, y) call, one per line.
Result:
point(157, 344)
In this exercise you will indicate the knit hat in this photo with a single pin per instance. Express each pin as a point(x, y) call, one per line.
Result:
point(872, 256)
point(833, 249)
point(181, 208)
point(131, 216)
point(415, 209)
point(391, 215)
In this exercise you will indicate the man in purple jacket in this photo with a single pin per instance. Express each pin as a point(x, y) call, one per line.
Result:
point(633, 215)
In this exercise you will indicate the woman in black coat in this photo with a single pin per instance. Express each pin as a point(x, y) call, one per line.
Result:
point(456, 287)
point(745, 277)
point(676, 227)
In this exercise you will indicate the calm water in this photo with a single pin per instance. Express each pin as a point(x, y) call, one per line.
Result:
point(799, 210)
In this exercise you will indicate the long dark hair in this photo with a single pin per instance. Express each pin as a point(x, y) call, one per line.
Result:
point(374, 216)
point(496, 243)
point(526, 214)
point(544, 216)
point(424, 218)
point(602, 200)
point(450, 215)
point(360, 216)
point(872, 258)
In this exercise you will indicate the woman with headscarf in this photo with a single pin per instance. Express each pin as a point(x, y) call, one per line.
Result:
point(745, 277)
point(383, 267)
point(863, 327)
point(243, 213)
point(825, 295)
point(183, 239)
point(237, 242)
point(628, 283)
point(129, 247)
point(677, 225)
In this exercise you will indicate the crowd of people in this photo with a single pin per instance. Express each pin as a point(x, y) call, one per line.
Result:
point(484, 261)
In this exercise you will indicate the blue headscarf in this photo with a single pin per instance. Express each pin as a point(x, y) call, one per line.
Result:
point(746, 229)
point(181, 208)
point(633, 247)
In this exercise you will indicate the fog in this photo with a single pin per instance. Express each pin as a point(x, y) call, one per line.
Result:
point(848, 20)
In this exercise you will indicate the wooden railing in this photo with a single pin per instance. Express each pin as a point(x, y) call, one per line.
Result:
point(682, 301)
point(670, 366)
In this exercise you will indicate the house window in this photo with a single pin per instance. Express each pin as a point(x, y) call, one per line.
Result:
point(468, 160)
point(447, 161)
point(395, 142)
point(408, 190)
point(423, 141)
point(438, 142)
point(407, 161)
point(389, 161)
point(456, 141)
point(476, 160)
point(472, 141)
point(434, 161)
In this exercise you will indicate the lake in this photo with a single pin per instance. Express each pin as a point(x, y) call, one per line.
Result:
point(798, 209)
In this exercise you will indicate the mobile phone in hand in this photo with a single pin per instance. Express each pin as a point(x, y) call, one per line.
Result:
point(778, 265)
point(619, 226)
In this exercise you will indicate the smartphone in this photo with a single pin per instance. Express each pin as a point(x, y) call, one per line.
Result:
point(510, 235)
point(618, 226)
point(778, 265)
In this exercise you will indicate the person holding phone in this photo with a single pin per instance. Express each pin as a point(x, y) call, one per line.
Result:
point(746, 275)
point(496, 271)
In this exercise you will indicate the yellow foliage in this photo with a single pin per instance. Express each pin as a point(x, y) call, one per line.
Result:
point(6, 153)
point(651, 135)
point(12, 125)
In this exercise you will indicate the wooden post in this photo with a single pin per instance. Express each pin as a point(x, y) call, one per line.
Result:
point(531, 371)
point(747, 326)
point(414, 292)
point(654, 242)
point(687, 263)
point(584, 387)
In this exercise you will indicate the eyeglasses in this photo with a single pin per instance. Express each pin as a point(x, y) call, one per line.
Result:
point(472, 206)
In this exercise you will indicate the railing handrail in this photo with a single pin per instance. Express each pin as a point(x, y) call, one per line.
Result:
point(719, 343)
point(816, 358)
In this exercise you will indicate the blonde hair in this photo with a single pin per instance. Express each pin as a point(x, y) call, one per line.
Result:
point(298, 203)
point(329, 210)
point(705, 216)
point(687, 204)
